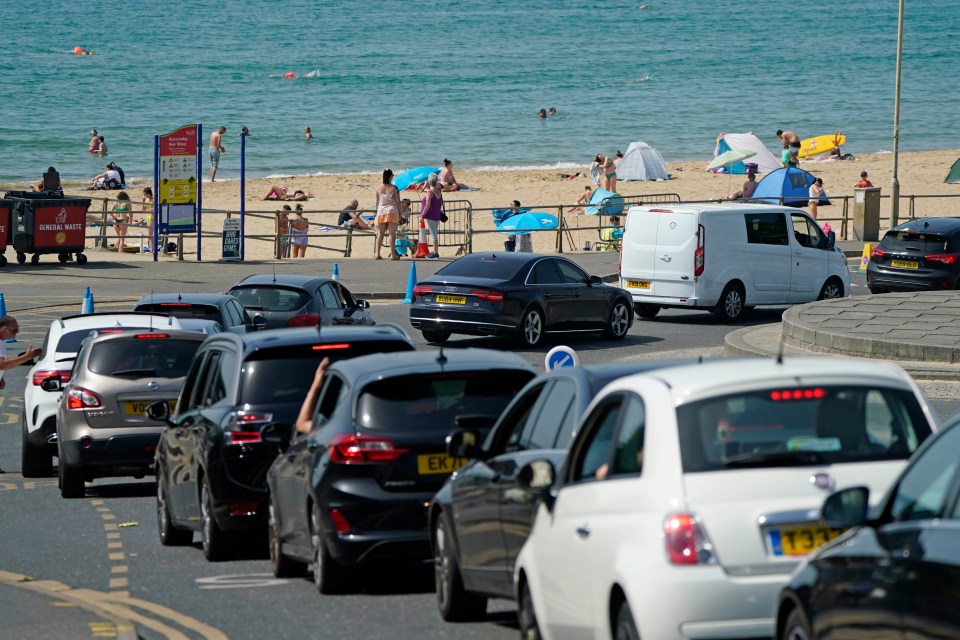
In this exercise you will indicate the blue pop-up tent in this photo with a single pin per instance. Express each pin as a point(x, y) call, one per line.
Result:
point(604, 203)
point(790, 184)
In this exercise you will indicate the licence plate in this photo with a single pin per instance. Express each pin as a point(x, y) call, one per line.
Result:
point(904, 264)
point(438, 463)
point(800, 541)
point(638, 284)
point(451, 299)
point(139, 408)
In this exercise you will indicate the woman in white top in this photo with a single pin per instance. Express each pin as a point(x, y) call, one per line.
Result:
point(816, 190)
point(388, 214)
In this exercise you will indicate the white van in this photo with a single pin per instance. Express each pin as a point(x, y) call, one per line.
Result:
point(727, 258)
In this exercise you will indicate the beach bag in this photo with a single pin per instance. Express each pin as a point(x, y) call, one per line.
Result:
point(443, 217)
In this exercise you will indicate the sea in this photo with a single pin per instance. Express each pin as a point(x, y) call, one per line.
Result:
point(390, 83)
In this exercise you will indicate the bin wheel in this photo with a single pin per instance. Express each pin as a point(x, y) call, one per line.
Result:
point(35, 259)
point(81, 259)
point(63, 257)
point(21, 257)
point(3, 260)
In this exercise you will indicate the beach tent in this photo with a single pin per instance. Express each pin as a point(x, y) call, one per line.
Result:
point(641, 162)
point(954, 176)
point(790, 184)
point(604, 203)
point(765, 161)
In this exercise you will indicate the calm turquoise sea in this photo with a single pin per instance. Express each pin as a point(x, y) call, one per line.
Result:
point(407, 83)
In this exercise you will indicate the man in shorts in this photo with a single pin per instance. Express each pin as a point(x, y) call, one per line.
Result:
point(350, 217)
point(216, 148)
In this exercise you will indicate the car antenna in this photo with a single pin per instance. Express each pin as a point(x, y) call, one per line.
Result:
point(780, 349)
point(273, 267)
point(316, 299)
point(151, 315)
point(441, 358)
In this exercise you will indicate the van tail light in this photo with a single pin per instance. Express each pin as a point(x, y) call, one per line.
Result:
point(489, 296)
point(687, 542)
point(304, 320)
point(243, 427)
point(877, 252)
point(943, 258)
point(40, 376)
point(698, 255)
point(422, 289)
point(80, 398)
point(353, 449)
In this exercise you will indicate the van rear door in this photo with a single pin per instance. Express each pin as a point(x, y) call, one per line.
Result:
point(674, 253)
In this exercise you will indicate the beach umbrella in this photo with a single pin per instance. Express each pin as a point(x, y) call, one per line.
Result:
point(530, 221)
point(417, 174)
point(730, 157)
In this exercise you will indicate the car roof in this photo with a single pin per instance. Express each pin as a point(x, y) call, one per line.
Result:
point(132, 335)
point(121, 318)
point(288, 279)
point(194, 298)
point(712, 208)
point(929, 225)
point(406, 362)
point(279, 338)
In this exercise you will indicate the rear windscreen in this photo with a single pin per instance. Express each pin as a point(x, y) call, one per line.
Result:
point(70, 342)
point(143, 357)
point(182, 310)
point(431, 402)
point(482, 268)
point(798, 426)
point(284, 374)
point(912, 241)
point(271, 298)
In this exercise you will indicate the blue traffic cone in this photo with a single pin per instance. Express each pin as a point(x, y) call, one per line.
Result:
point(411, 283)
point(88, 304)
point(83, 305)
point(3, 305)
point(336, 272)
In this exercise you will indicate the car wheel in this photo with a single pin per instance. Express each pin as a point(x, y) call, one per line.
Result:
point(170, 536)
point(526, 616)
point(212, 538)
point(435, 336)
point(796, 627)
point(71, 481)
point(455, 603)
point(619, 321)
point(730, 306)
point(329, 576)
point(531, 327)
point(626, 628)
point(282, 566)
point(647, 311)
point(35, 462)
point(832, 289)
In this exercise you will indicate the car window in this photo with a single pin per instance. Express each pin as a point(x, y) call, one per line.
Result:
point(507, 437)
point(592, 452)
point(271, 298)
point(482, 267)
point(70, 342)
point(330, 298)
point(328, 399)
point(628, 452)
point(914, 242)
point(241, 312)
point(554, 421)
point(766, 228)
point(45, 345)
point(219, 383)
point(347, 300)
point(545, 272)
point(233, 316)
point(141, 358)
point(182, 310)
point(194, 383)
point(921, 492)
point(570, 273)
point(807, 232)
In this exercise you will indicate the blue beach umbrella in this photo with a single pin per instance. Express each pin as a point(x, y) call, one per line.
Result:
point(531, 221)
point(410, 176)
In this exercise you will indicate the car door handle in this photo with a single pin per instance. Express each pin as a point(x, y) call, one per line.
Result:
point(666, 258)
point(583, 530)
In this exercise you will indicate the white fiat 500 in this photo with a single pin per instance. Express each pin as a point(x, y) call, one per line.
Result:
point(691, 493)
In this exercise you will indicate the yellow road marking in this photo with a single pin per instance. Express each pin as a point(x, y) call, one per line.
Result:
point(109, 527)
point(114, 545)
point(63, 604)
point(108, 516)
point(119, 568)
point(97, 502)
point(117, 556)
point(113, 536)
point(116, 583)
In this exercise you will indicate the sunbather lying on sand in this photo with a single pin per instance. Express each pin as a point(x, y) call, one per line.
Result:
point(280, 193)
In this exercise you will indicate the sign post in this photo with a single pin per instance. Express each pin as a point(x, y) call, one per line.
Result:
point(231, 241)
point(177, 184)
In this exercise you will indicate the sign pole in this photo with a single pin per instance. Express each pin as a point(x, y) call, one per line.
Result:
point(156, 196)
point(199, 187)
point(243, 184)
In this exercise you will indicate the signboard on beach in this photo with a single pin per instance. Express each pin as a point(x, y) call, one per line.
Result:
point(177, 180)
point(231, 240)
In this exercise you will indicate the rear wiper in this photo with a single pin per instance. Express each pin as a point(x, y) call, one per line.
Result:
point(774, 459)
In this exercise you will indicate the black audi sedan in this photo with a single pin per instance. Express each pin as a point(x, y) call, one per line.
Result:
point(481, 517)
point(922, 254)
point(354, 490)
point(285, 300)
point(212, 458)
point(522, 295)
point(216, 307)
point(896, 572)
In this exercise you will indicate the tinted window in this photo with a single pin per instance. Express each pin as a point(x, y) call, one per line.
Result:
point(512, 425)
point(141, 358)
point(329, 397)
point(593, 453)
point(486, 267)
point(431, 402)
point(545, 272)
point(182, 310)
point(70, 342)
point(804, 425)
point(271, 298)
point(628, 453)
point(285, 374)
point(766, 228)
point(220, 379)
point(330, 298)
point(554, 425)
point(912, 241)
point(570, 273)
point(922, 491)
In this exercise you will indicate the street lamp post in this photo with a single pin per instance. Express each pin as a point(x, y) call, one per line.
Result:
point(895, 183)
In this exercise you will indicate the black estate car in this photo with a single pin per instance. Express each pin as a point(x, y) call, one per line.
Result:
point(922, 254)
point(355, 489)
point(212, 459)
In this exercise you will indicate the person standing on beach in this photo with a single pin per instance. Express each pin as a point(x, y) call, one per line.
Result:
point(121, 218)
point(147, 202)
point(283, 232)
point(791, 148)
point(299, 227)
point(816, 191)
point(388, 214)
point(216, 148)
point(432, 208)
point(608, 175)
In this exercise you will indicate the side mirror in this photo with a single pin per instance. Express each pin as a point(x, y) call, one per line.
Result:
point(847, 508)
point(52, 384)
point(594, 281)
point(464, 443)
point(831, 240)
point(538, 477)
point(259, 321)
point(158, 411)
point(277, 433)
point(363, 304)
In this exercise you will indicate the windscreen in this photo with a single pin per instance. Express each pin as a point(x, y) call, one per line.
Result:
point(912, 241)
point(284, 374)
point(70, 342)
point(271, 298)
point(800, 425)
point(431, 402)
point(143, 357)
point(482, 268)
point(182, 310)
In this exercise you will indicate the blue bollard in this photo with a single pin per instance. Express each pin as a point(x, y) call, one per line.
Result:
point(411, 283)
point(3, 305)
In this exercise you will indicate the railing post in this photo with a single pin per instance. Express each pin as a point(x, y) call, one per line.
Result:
point(349, 248)
point(469, 238)
point(558, 243)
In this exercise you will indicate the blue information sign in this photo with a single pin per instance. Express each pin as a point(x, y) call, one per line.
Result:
point(560, 356)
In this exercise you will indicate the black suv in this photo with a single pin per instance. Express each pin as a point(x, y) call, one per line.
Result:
point(922, 254)
point(212, 459)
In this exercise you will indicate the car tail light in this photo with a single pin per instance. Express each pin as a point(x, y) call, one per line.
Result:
point(489, 296)
point(40, 376)
point(240, 509)
point(877, 252)
point(698, 255)
point(797, 394)
point(422, 289)
point(330, 347)
point(944, 258)
point(687, 542)
point(80, 398)
point(353, 449)
point(151, 336)
point(339, 521)
point(174, 304)
point(304, 320)
point(243, 427)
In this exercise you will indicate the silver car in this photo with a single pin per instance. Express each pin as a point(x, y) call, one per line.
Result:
point(102, 429)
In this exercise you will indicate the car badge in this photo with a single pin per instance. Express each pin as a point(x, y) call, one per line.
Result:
point(822, 481)
point(153, 385)
point(449, 289)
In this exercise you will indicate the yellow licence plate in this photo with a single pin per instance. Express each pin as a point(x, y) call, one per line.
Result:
point(139, 408)
point(638, 284)
point(438, 463)
point(800, 541)
point(904, 264)
point(451, 299)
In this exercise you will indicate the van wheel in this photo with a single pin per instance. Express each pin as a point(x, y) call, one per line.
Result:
point(832, 288)
point(647, 311)
point(730, 306)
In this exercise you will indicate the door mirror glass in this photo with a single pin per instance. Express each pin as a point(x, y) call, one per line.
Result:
point(363, 304)
point(277, 433)
point(537, 476)
point(259, 321)
point(831, 240)
point(847, 508)
point(594, 280)
point(464, 443)
point(158, 411)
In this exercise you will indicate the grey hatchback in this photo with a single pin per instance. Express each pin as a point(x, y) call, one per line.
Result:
point(286, 300)
point(102, 429)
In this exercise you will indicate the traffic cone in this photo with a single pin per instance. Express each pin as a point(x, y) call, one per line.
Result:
point(865, 257)
point(422, 249)
point(336, 272)
point(411, 283)
point(88, 304)
point(83, 305)
point(3, 305)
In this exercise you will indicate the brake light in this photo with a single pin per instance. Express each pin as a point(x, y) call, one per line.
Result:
point(80, 398)
point(40, 376)
point(698, 255)
point(489, 296)
point(151, 336)
point(422, 289)
point(330, 347)
point(353, 449)
point(175, 304)
point(339, 521)
point(243, 427)
point(660, 210)
point(944, 258)
point(687, 542)
point(797, 394)
point(877, 253)
point(304, 320)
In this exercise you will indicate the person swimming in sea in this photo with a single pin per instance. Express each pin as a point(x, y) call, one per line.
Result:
point(543, 114)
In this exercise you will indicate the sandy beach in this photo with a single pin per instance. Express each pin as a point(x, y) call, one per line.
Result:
point(919, 173)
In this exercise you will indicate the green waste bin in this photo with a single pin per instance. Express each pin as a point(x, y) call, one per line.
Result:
point(866, 214)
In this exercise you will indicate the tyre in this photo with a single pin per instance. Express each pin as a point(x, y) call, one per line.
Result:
point(531, 327)
point(282, 566)
point(455, 603)
point(63, 257)
point(81, 259)
point(730, 306)
point(619, 321)
point(328, 576)
point(647, 311)
point(626, 629)
point(170, 536)
point(35, 462)
point(526, 616)
point(832, 289)
point(71, 482)
point(216, 545)
point(796, 628)
point(435, 335)
point(35, 259)
point(3, 260)
point(21, 257)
